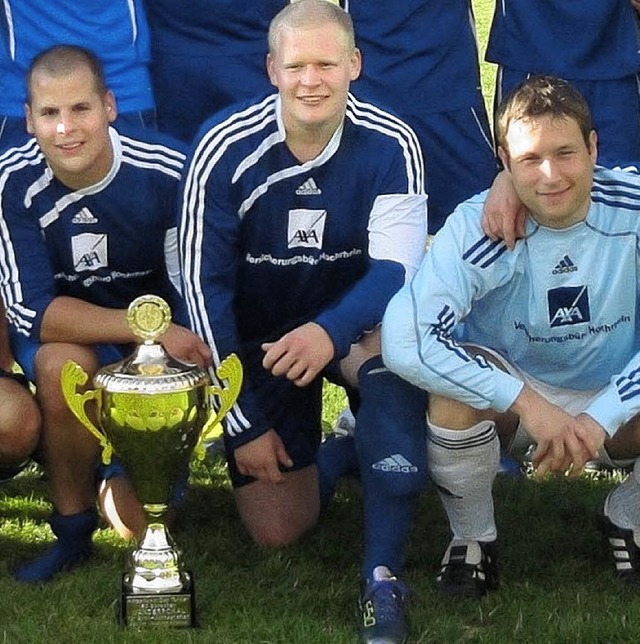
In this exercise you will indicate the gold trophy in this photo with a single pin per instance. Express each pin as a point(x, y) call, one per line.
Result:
point(153, 412)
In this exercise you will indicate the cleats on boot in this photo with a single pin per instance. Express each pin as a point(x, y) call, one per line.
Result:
point(469, 568)
point(624, 545)
point(382, 609)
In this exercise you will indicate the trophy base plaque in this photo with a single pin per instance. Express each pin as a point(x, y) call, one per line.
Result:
point(172, 610)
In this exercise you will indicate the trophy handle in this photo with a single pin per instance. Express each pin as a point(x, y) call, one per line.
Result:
point(71, 376)
point(230, 369)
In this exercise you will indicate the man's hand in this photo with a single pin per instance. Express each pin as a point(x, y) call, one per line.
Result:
point(185, 345)
point(261, 458)
point(592, 435)
point(559, 447)
point(299, 355)
point(504, 214)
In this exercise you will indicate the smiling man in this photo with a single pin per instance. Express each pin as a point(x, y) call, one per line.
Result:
point(302, 214)
point(550, 338)
point(88, 224)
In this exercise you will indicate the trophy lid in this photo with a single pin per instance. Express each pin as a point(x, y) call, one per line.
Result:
point(150, 369)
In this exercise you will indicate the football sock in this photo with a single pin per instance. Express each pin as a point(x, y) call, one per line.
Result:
point(463, 465)
point(336, 458)
point(390, 441)
point(73, 546)
point(622, 505)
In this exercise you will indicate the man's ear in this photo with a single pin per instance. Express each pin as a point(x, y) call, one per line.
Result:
point(593, 145)
point(504, 157)
point(355, 63)
point(28, 117)
point(111, 106)
point(271, 70)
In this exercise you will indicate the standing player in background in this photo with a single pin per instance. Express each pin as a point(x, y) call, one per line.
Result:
point(206, 55)
point(595, 44)
point(303, 212)
point(116, 30)
point(420, 58)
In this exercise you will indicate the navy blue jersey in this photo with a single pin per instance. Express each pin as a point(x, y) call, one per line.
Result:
point(115, 30)
point(105, 244)
point(425, 50)
point(268, 243)
point(574, 39)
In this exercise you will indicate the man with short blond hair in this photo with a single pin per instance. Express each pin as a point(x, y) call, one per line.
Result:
point(303, 213)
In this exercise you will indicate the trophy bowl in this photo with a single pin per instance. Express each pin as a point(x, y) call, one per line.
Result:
point(153, 412)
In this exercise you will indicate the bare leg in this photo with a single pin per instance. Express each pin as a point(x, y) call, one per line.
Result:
point(121, 508)
point(20, 422)
point(277, 514)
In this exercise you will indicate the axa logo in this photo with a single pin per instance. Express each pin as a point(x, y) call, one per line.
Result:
point(89, 252)
point(565, 265)
point(568, 305)
point(306, 228)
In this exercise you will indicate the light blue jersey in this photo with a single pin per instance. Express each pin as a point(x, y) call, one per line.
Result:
point(563, 307)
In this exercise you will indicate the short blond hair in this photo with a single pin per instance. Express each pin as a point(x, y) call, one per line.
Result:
point(302, 14)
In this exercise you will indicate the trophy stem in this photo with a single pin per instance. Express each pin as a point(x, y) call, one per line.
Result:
point(156, 565)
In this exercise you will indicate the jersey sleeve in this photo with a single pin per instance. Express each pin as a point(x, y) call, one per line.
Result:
point(26, 274)
point(619, 401)
point(207, 238)
point(397, 235)
point(418, 340)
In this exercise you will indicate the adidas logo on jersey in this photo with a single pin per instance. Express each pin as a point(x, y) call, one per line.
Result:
point(395, 463)
point(565, 265)
point(309, 187)
point(84, 216)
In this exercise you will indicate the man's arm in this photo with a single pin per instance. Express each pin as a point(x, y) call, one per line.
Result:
point(417, 340)
point(68, 319)
point(397, 238)
point(636, 5)
point(208, 248)
point(504, 214)
point(564, 443)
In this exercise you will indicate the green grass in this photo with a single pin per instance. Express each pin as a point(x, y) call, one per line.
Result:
point(558, 584)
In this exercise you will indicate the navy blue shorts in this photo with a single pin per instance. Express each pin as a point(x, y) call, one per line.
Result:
point(295, 413)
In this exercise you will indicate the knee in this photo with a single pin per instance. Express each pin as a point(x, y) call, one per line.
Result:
point(20, 422)
point(276, 535)
point(49, 362)
point(445, 412)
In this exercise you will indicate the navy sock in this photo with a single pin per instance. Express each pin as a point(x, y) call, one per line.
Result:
point(73, 546)
point(391, 445)
point(336, 457)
